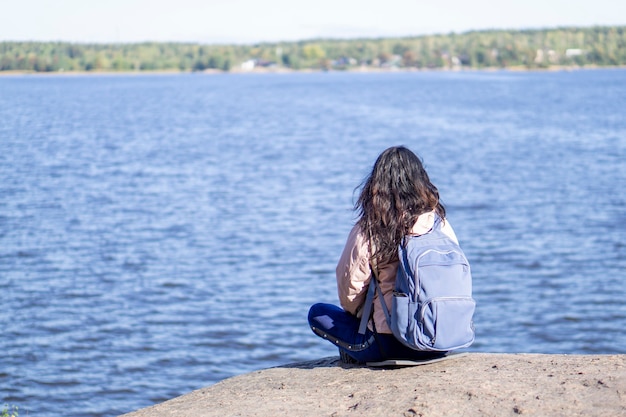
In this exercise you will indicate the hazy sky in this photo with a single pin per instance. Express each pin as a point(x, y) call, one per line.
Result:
point(219, 21)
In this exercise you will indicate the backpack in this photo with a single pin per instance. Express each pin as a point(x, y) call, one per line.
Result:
point(432, 306)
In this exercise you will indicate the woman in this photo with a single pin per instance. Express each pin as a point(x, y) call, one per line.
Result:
point(396, 199)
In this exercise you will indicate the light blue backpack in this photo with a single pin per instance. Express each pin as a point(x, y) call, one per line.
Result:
point(432, 302)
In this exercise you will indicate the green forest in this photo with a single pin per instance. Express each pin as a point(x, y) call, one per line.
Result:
point(530, 49)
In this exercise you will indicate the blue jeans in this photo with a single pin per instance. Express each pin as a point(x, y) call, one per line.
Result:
point(342, 329)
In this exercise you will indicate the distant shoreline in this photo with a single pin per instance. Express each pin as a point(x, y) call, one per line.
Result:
point(564, 48)
point(283, 70)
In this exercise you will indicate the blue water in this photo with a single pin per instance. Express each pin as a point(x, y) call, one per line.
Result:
point(161, 233)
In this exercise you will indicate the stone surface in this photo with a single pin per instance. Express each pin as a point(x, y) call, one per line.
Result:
point(478, 384)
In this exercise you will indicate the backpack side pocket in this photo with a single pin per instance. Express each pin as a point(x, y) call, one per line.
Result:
point(445, 323)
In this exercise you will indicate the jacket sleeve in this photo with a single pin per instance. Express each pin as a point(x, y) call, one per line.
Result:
point(353, 272)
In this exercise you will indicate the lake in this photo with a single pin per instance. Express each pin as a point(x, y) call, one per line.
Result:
point(160, 233)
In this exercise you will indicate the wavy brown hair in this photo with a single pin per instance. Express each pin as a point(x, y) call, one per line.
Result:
point(392, 197)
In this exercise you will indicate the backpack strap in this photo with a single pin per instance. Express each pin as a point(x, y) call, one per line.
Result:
point(374, 288)
point(438, 224)
point(369, 303)
point(366, 311)
point(382, 303)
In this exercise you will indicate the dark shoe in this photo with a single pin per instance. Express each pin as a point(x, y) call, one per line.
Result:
point(347, 359)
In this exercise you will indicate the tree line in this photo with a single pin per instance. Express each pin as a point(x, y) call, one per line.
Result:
point(539, 48)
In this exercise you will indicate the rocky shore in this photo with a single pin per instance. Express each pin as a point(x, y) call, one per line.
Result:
point(477, 384)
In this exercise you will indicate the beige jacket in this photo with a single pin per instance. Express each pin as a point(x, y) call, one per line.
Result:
point(353, 271)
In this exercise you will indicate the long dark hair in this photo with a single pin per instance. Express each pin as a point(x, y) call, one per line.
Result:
point(392, 197)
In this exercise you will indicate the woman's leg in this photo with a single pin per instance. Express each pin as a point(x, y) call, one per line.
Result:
point(342, 329)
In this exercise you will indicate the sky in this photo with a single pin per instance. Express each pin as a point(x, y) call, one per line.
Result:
point(252, 21)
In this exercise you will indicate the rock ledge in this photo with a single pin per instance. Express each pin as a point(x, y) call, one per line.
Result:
point(482, 384)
